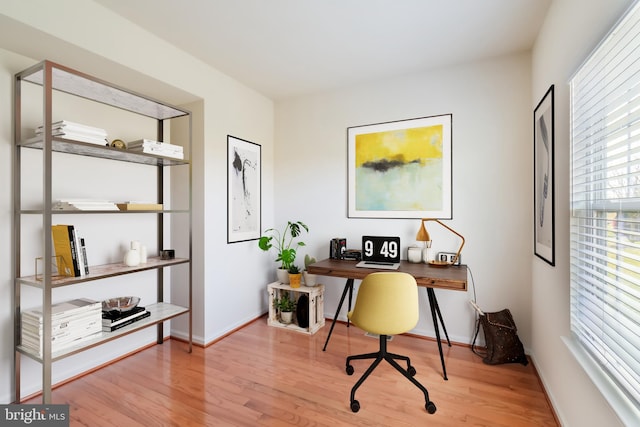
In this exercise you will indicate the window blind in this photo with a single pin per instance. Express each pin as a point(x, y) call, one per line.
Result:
point(605, 205)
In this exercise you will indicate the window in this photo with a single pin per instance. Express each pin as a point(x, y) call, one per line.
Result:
point(605, 206)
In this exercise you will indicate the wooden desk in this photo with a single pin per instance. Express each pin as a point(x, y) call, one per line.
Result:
point(429, 277)
point(454, 277)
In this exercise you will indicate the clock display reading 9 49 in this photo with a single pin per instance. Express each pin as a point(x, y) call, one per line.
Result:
point(381, 248)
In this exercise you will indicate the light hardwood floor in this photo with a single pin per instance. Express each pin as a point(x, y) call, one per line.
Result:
point(265, 376)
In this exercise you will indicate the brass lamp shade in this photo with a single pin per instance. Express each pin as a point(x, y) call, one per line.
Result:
point(423, 236)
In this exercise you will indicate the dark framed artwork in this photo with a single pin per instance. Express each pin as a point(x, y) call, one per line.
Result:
point(544, 178)
point(401, 169)
point(244, 188)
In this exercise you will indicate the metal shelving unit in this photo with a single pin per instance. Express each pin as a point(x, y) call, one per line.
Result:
point(54, 77)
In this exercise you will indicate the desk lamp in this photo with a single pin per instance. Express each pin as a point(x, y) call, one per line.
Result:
point(423, 236)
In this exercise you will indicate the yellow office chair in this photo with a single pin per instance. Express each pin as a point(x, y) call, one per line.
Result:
point(387, 304)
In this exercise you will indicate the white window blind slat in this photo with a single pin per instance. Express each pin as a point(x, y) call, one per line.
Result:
point(605, 205)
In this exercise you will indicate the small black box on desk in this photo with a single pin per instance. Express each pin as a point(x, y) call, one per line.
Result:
point(337, 248)
point(353, 254)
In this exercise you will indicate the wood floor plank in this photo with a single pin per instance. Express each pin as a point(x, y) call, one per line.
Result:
point(264, 376)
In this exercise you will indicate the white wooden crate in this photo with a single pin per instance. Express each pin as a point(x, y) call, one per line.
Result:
point(316, 306)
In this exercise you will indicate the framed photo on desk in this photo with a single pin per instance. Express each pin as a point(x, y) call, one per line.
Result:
point(401, 169)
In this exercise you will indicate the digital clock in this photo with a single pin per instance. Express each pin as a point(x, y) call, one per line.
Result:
point(381, 249)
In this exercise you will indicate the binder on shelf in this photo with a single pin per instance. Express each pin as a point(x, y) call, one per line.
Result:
point(62, 248)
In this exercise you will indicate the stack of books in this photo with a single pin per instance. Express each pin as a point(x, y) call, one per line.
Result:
point(113, 320)
point(155, 147)
point(70, 250)
point(77, 132)
point(72, 322)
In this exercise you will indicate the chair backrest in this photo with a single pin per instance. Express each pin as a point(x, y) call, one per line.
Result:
point(387, 303)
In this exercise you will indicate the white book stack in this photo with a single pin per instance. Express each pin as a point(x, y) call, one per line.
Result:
point(72, 322)
point(77, 132)
point(150, 146)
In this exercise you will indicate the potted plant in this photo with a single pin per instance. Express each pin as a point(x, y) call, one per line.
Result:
point(286, 306)
point(285, 245)
point(309, 279)
point(295, 276)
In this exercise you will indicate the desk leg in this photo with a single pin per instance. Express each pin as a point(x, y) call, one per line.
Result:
point(347, 287)
point(444, 328)
point(350, 299)
point(433, 304)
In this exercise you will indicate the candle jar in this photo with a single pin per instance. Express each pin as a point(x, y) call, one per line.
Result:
point(414, 254)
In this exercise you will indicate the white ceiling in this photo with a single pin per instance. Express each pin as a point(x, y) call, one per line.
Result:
point(287, 48)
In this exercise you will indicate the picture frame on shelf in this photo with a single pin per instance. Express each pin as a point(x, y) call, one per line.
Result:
point(244, 188)
point(401, 169)
point(544, 178)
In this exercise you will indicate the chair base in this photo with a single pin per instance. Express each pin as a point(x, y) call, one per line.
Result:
point(391, 358)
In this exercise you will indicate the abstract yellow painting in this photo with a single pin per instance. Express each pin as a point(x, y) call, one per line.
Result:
point(401, 169)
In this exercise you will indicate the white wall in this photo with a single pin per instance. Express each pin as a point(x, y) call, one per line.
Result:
point(492, 174)
point(491, 103)
point(571, 31)
point(39, 29)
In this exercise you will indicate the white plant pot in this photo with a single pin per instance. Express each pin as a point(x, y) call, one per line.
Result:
point(286, 316)
point(283, 275)
point(309, 279)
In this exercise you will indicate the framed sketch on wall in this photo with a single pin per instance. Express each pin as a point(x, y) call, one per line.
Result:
point(401, 169)
point(544, 178)
point(244, 187)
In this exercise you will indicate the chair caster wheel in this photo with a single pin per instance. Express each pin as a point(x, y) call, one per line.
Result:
point(411, 370)
point(430, 406)
point(350, 371)
point(355, 406)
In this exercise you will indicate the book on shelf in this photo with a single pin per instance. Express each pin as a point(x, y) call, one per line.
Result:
point(68, 247)
point(139, 206)
point(36, 347)
point(115, 317)
point(84, 205)
point(71, 323)
point(115, 326)
point(158, 145)
point(77, 132)
point(62, 246)
point(69, 125)
point(63, 310)
point(77, 252)
point(83, 254)
point(159, 148)
point(65, 335)
point(163, 153)
point(34, 324)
